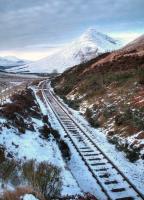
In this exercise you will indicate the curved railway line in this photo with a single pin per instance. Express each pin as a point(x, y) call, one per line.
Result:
point(113, 183)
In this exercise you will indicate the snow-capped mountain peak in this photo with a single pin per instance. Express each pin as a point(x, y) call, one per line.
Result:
point(91, 35)
point(87, 46)
point(102, 40)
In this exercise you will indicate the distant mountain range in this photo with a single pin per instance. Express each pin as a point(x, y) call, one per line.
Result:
point(87, 46)
point(8, 62)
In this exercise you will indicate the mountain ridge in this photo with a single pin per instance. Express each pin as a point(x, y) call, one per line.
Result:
point(89, 45)
point(7, 62)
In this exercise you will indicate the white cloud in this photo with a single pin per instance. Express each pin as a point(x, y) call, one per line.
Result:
point(32, 55)
point(36, 21)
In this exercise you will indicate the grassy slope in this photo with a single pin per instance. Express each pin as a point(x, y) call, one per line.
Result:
point(109, 90)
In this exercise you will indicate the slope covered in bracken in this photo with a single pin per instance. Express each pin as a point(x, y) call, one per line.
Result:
point(109, 91)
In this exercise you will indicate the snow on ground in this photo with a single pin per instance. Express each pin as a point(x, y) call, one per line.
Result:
point(31, 146)
point(134, 171)
point(28, 197)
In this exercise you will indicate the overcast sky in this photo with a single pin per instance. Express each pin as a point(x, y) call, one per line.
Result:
point(33, 28)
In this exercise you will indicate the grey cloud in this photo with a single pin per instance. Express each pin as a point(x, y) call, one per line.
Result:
point(31, 22)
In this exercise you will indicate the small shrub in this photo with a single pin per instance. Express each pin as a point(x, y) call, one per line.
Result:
point(134, 117)
point(88, 113)
point(55, 134)
point(109, 111)
point(92, 119)
point(64, 149)
point(2, 154)
point(30, 127)
point(119, 119)
point(133, 154)
point(45, 130)
point(43, 177)
point(19, 121)
point(113, 140)
point(10, 110)
point(72, 103)
point(23, 106)
point(45, 119)
point(7, 169)
point(21, 129)
point(28, 171)
point(111, 133)
point(95, 107)
point(94, 122)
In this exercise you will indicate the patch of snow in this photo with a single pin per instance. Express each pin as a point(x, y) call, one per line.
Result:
point(31, 146)
point(28, 197)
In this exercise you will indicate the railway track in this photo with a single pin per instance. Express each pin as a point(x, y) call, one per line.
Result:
point(113, 183)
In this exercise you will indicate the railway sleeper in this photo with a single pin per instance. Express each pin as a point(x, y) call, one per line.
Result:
point(93, 154)
point(70, 128)
point(125, 198)
point(93, 159)
point(68, 122)
point(74, 134)
point(111, 182)
point(84, 147)
point(101, 169)
point(96, 164)
point(118, 189)
point(74, 131)
point(106, 175)
point(65, 120)
point(68, 125)
point(87, 151)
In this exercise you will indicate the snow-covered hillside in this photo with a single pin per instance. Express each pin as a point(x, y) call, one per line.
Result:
point(11, 61)
point(86, 47)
